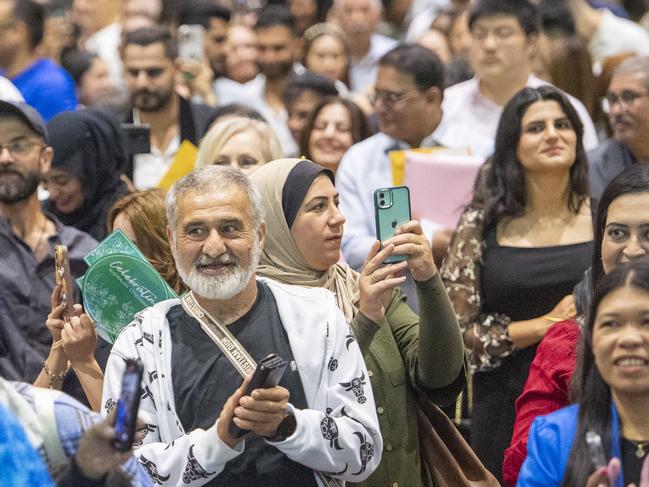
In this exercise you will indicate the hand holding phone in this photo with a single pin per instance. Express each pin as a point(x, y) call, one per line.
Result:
point(64, 279)
point(268, 373)
point(128, 406)
point(391, 209)
point(595, 449)
point(191, 43)
point(138, 138)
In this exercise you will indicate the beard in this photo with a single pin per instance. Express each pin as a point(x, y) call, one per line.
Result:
point(276, 70)
point(218, 67)
point(150, 101)
point(19, 187)
point(219, 287)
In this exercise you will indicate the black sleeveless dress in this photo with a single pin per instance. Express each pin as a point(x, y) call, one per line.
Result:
point(522, 283)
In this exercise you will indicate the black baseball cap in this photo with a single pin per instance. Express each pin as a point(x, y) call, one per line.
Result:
point(26, 113)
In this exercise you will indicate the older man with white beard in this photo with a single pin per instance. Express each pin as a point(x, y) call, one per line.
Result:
point(319, 419)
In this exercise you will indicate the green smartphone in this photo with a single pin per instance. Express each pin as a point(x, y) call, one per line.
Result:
point(391, 209)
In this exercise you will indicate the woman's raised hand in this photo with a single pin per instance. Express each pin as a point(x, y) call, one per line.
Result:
point(79, 339)
point(377, 281)
point(55, 320)
point(409, 240)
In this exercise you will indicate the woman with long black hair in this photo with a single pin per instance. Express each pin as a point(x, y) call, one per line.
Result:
point(621, 235)
point(520, 247)
point(613, 390)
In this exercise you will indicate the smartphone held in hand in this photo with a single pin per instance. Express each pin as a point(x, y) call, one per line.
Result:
point(391, 209)
point(191, 43)
point(64, 279)
point(268, 373)
point(128, 406)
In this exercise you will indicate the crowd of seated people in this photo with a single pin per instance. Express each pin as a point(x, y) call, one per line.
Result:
point(238, 145)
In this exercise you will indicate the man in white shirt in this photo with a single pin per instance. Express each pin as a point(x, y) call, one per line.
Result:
point(408, 99)
point(277, 52)
point(504, 38)
point(359, 20)
point(321, 417)
point(150, 70)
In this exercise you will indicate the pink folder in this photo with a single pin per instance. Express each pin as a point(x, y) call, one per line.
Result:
point(441, 184)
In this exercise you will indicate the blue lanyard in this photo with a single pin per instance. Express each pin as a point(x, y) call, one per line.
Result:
point(616, 450)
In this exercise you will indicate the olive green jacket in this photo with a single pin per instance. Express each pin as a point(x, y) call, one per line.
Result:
point(400, 369)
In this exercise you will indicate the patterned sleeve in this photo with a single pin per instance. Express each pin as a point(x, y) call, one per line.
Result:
point(190, 459)
point(461, 275)
point(344, 441)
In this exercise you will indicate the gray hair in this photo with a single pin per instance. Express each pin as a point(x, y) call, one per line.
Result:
point(634, 65)
point(211, 178)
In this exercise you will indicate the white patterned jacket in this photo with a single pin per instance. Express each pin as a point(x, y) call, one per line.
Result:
point(339, 433)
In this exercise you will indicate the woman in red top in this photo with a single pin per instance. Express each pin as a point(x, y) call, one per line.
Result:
point(621, 235)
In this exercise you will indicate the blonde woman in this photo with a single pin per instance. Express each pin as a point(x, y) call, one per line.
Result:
point(238, 141)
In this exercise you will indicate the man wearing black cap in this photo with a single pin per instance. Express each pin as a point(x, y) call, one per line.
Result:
point(27, 239)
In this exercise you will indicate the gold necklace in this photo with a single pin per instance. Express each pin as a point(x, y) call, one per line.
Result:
point(640, 448)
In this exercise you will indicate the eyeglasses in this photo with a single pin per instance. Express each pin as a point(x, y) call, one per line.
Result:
point(625, 99)
point(390, 98)
point(20, 147)
point(501, 34)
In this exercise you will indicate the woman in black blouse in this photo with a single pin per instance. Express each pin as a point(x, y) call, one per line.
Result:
point(520, 247)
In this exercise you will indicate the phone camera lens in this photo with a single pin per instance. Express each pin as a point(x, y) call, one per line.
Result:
point(382, 195)
point(382, 202)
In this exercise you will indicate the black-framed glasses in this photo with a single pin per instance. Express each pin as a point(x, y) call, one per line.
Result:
point(19, 147)
point(391, 98)
point(625, 99)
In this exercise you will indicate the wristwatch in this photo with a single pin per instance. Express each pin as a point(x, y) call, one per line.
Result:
point(285, 428)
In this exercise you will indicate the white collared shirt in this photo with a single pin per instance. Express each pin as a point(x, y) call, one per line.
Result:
point(362, 74)
point(252, 94)
point(464, 105)
point(148, 169)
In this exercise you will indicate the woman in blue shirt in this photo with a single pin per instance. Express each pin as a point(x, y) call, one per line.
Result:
point(612, 388)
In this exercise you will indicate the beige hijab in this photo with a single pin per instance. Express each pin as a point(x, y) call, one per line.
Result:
point(281, 260)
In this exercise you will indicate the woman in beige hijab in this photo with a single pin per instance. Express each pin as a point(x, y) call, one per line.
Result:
point(406, 354)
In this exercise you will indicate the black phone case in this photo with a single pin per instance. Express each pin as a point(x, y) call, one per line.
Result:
point(135, 406)
point(268, 373)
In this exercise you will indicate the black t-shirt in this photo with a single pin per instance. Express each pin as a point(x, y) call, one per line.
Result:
point(204, 378)
point(631, 462)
